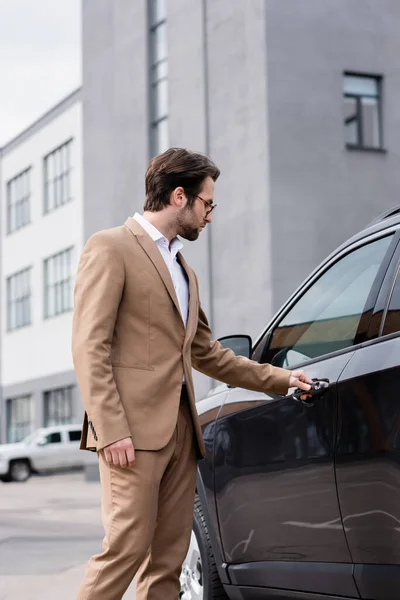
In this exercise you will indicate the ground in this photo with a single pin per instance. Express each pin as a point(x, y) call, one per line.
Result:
point(49, 527)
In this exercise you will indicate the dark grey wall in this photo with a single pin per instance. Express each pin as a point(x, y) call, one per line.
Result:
point(239, 143)
point(320, 192)
point(114, 45)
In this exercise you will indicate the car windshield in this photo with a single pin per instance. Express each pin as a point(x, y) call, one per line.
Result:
point(31, 438)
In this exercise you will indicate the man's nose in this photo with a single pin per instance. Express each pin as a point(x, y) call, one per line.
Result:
point(209, 218)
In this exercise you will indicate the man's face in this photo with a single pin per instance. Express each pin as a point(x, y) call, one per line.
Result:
point(192, 220)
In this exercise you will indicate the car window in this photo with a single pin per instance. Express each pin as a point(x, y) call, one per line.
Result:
point(75, 436)
point(392, 319)
point(327, 317)
point(53, 438)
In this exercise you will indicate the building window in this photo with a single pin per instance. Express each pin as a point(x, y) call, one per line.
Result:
point(58, 406)
point(58, 289)
point(363, 111)
point(19, 418)
point(19, 300)
point(18, 201)
point(57, 177)
point(158, 77)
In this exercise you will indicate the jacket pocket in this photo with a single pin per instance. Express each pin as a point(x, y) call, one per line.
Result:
point(137, 367)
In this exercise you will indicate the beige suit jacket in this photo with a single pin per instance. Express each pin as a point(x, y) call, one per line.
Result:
point(130, 346)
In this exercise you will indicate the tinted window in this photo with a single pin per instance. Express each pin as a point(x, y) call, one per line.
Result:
point(74, 436)
point(392, 321)
point(53, 438)
point(327, 317)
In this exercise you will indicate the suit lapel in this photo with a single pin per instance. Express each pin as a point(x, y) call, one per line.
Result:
point(150, 247)
point(193, 302)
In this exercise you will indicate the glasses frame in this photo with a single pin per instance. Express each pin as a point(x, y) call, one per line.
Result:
point(209, 207)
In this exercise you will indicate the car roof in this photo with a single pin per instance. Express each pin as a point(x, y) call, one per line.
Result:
point(388, 219)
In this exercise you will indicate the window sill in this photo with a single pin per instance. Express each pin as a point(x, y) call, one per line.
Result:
point(18, 328)
point(59, 314)
point(17, 229)
point(49, 211)
point(366, 148)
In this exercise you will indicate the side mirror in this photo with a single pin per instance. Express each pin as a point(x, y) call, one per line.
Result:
point(41, 441)
point(240, 344)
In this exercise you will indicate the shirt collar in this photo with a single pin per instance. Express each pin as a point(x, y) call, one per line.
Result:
point(156, 235)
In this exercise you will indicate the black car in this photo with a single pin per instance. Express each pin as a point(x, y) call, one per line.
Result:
point(302, 500)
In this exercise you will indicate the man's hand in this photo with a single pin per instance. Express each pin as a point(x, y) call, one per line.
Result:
point(299, 379)
point(121, 453)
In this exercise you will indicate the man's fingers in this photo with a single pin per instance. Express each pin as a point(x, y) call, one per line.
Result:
point(120, 454)
point(130, 455)
point(303, 386)
point(122, 458)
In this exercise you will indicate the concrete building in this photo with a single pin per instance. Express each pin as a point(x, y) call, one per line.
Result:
point(41, 240)
point(297, 102)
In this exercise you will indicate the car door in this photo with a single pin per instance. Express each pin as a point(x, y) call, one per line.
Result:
point(74, 455)
point(368, 452)
point(50, 452)
point(276, 496)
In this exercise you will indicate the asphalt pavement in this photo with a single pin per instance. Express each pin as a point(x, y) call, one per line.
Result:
point(49, 528)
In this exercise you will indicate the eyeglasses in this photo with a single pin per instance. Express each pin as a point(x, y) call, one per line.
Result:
point(209, 207)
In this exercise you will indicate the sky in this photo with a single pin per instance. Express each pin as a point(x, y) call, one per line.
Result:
point(40, 59)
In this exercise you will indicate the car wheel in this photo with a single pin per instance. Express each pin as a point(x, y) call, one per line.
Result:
point(199, 577)
point(20, 470)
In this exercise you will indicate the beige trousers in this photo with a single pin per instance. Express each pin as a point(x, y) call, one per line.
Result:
point(147, 515)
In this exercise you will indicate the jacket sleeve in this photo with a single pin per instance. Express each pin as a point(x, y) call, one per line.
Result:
point(98, 291)
point(209, 357)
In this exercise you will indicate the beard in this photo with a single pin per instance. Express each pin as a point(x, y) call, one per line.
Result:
point(186, 225)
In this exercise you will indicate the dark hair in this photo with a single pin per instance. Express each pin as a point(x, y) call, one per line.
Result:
point(177, 167)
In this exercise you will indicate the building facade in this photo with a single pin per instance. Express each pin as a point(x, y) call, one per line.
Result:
point(295, 101)
point(41, 240)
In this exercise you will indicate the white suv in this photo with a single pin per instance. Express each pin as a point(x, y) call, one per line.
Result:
point(46, 449)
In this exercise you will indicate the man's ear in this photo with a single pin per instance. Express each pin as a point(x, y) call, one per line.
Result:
point(178, 198)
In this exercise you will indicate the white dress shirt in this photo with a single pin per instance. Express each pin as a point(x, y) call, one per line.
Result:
point(168, 252)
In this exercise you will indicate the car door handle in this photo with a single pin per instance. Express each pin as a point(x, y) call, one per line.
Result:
point(318, 389)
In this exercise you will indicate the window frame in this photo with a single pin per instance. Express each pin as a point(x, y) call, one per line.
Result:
point(60, 282)
point(155, 122)
point(9, 302)
point(71, 431)
point(261, 346)
point(25, 200)
point(66, 393)
point(379, 97)
point(53, 433)
point(8, 402)
point(385, 297)
point(66, 174)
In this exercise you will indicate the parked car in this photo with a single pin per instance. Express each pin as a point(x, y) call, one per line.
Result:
point(302, 500)
point(46, 449)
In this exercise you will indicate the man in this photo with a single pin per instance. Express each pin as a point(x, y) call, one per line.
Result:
point(138, 330)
